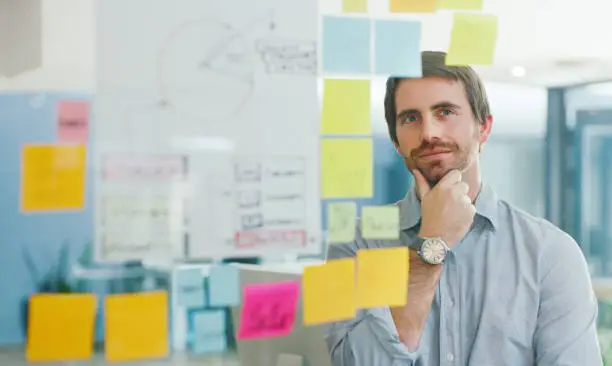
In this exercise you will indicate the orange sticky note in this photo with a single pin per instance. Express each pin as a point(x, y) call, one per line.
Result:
point(60, 327)
point(328, 292)
point(382, 277)
point(136, 326)
point(53, 177)
point(412, 6)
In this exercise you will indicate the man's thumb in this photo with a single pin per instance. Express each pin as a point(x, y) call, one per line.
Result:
point(421, 183)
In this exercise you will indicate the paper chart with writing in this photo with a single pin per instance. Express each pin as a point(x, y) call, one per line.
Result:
point(234, 93)
point(134, 219)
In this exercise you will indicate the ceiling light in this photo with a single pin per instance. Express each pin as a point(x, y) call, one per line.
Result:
point(518, 71)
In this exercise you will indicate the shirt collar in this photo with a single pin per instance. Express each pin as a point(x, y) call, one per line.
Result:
point(410, 207)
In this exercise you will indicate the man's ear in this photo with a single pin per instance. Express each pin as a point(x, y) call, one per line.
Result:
point(485, 129)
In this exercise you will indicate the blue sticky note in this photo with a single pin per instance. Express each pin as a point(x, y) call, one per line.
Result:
point(190, 288)
point(203, 344)
point(224, 286)
point(397, 48)
point(209, 322)
point(346, 45)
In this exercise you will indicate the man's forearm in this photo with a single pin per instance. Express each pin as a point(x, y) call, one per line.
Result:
point(410, 319)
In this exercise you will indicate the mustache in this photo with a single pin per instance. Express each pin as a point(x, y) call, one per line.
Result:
point(425, 146)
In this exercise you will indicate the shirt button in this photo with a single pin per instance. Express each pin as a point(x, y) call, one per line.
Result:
point(450, 357)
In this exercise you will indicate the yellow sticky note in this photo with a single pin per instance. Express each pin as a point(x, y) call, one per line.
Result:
point(473, 40)
point(346, 107)
point(355, 6)
point(328, 292)
point(60, 327)
point(382, 277)
point(341, 219)
point(412, 6)
point(53, 177)
point(460, 4)
point(136, 326)
point(346, 168)
point(380, 222)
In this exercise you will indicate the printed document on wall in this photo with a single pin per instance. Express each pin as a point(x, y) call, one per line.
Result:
point(230, 86)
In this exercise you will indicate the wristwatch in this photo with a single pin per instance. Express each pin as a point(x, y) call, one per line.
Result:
point(431, 250)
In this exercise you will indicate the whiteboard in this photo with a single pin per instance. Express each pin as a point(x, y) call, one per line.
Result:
point(206, 129)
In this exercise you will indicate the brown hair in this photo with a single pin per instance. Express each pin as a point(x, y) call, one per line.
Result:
point(434, 64)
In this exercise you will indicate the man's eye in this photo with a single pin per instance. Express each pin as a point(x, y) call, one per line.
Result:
point(410, 119)
point(445, 112)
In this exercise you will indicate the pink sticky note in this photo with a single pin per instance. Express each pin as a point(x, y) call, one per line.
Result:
point(73, 121)
point(268, 309)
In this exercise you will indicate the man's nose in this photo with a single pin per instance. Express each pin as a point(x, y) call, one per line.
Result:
point(430, 129)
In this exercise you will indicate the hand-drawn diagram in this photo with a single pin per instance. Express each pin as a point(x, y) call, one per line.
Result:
point(288, 57)
point(144, 168)
point(271, 202)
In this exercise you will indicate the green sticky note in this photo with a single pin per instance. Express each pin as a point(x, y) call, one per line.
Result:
point(346, 107)
point(341, 218)
point(473, 40)
point(380, 222)
point(347, 168)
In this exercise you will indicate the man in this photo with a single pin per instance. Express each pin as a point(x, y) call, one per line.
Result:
point(489, 284)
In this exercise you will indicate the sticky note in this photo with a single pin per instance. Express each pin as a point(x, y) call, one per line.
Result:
point(136, 326)
point(190, 288)
point(346, 107)
point(380, 222)
point(412, 6)
point(328, 292)
point(355, 6)
point(73, 121)
point(60, 327)
point(391, 60)
point(209, 322)
point(341, 220)
point(346, 168)
point(205, 344)
point(460, 4)
point(382, 277)
point(53, 177)
point(346, 45)
point(268, 309)
point(224, 286)
point(473, 40)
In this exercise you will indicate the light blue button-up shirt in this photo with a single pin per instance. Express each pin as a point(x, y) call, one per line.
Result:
point(515, 291)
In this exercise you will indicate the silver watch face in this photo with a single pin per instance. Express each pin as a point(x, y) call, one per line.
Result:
point(433, 251)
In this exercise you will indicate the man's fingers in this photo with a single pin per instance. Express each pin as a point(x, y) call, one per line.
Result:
point(452, 177)
point(421, 183)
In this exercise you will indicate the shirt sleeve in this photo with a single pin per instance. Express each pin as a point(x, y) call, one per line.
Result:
point(566, 332)
point(369, 339)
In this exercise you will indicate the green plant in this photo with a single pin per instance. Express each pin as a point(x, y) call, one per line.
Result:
point(56, 279)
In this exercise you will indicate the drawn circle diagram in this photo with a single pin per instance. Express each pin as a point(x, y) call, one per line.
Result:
point(206, 70)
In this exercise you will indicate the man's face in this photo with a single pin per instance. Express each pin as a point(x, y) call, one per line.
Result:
point(435, 126)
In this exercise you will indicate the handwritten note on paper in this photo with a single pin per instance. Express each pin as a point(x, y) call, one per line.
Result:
point(412, 6)
point(60, 327)
point(53, 177)
point(346, 168)
point(268, 309)
point(139, 167)
point(190, 288)
point(136, 326)
point(380, 222)
point(404, 61)
point(73, 121)
point(355, 6)
point(346, 45)
point(382, 277)
point(334, 282)
point(472, 40)
point(341, 219)
point(224, 285)
point(460, 4)
point(346, 107)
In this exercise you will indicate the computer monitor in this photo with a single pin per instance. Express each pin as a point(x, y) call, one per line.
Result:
point(305, 341)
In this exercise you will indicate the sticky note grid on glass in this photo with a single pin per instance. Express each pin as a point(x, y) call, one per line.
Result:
point(389, 59)
point(346, 107)
point(382, 277)
point(341, 219)
point(380, 222)
point(346, 45)
point(412, 6)
point(346, 168)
